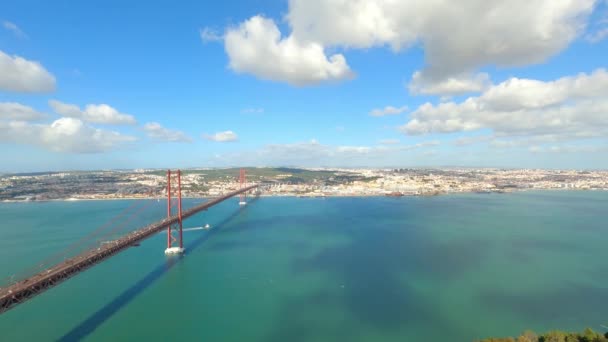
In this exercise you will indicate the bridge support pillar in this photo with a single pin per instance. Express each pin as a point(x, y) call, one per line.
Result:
point(175, 244)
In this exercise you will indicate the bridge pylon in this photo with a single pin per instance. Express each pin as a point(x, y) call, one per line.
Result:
point(175, 243)
point(242, 184)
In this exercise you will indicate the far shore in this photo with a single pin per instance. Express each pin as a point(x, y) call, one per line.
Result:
point(74, 199)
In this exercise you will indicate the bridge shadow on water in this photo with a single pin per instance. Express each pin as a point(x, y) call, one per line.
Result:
point(89, 325)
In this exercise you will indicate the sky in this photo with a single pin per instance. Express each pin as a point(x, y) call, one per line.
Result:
point(88, 85)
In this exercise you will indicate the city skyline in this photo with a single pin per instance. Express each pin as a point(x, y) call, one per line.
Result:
point(110, 85)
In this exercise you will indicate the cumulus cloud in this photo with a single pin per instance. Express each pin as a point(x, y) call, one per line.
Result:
point(453, 85)
point(155, 131)
point(388, 110)
point(570, 108)
point(67, 135)
point(226, 136)
point(457, 37)
point(256, 47)
point(14, 28)
point(19, 112)
point(94, 113)
point(20, 75)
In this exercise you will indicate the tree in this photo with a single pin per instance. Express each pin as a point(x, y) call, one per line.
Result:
point(553, 336)
point(528, 336)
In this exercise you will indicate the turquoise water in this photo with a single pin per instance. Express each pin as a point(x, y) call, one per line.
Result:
point(447, 268)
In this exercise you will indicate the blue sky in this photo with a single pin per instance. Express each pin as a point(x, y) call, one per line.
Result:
point(91, 85)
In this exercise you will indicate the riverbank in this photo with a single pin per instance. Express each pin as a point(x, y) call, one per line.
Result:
point(306, 195)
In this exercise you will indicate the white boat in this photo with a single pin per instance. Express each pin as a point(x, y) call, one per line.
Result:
point(207, 226)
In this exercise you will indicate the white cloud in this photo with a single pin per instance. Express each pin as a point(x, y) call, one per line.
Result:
point(500, 143)
point(312, 153)
point(95, 113)
point(569, 108)
point(454, 85)
point(354, 149)
point(158, 132)
point(210, 35)
point(561, 149)
point(463, 141)
point(226, 136)
point(17, 111)
point(20, 75)
point(422, 144)
point(457, 36)
point(516, 93)
point(388, 110)
point(540, 142)
point(65, 109)
point(256, 47)
point(67, 135)
point(104, 114)
point(252, 111)
point(14, 28)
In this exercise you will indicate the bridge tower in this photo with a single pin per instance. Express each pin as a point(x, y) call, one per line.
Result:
point(242, 183)
point(175, 244)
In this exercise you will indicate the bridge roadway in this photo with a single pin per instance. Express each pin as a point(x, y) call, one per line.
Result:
point(25, 289)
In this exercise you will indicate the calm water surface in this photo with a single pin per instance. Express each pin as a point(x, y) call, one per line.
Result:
point(336, 269)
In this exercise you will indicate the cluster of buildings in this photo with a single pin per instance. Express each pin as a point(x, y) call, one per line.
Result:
point(320, 183)
point(403, 182)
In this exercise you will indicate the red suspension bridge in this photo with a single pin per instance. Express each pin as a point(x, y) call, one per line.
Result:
point(56, 272)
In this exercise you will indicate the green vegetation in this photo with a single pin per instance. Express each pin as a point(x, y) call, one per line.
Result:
point(197, 187)
point(587, 335)
point(282, 174)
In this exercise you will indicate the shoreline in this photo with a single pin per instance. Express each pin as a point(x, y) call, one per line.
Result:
point(162, 199)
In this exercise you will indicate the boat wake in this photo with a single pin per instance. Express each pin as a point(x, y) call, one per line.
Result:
point(193, 228)
point(205, 227)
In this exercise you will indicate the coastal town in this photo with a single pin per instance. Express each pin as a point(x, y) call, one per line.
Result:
point(200, 183)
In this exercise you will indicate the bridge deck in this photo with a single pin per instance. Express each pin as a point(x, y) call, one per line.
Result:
point(28, 288)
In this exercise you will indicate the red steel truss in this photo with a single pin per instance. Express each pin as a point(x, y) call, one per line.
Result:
point(177, 226)
point(23, 290)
